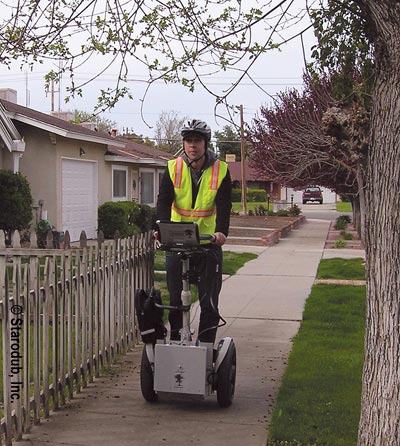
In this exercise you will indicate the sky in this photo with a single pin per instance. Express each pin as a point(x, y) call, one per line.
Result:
point(275, 71)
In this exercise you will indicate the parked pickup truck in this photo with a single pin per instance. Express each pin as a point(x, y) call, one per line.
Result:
point(313, 194)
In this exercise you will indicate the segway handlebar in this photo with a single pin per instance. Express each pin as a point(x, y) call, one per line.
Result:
point(208, 237)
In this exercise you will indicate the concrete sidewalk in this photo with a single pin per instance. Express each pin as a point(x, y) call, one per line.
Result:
point(263, 305)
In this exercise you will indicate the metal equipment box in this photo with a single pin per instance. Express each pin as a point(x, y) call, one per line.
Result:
point(181, 369)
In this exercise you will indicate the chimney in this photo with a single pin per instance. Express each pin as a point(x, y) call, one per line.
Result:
point(89, 125)
point(9, 95)
point(65, 115)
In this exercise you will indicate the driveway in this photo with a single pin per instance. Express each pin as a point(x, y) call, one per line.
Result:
point(324, 211)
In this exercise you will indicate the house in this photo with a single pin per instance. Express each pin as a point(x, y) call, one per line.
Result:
point(254, 179)
point(73, 169)
point(146, 165)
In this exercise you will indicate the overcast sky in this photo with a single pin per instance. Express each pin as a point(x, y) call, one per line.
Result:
point(274, 71)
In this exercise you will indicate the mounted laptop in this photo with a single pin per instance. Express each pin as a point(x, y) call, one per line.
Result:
point(180, 234)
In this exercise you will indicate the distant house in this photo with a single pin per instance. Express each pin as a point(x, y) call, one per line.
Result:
point(72, 169)
point(146, 165)
point(253, 179)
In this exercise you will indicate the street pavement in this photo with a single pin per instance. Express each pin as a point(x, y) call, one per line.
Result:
point(263, 305)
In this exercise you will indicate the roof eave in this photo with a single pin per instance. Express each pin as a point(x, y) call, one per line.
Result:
point(63, 132)
point(125, 159)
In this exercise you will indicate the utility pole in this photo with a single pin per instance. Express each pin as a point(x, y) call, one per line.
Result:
point(52, 95)
point(27, 93)
point(242, 162)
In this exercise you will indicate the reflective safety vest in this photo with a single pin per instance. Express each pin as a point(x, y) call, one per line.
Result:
point(204, 210)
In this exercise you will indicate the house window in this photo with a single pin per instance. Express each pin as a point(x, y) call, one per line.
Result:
point(147, 187)
point(120, 183)
point(160, 175)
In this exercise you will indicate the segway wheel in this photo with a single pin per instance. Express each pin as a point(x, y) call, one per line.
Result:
point(226, 378)
point(147, 379)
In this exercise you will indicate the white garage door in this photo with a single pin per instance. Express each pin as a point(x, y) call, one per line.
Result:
point(79, 198)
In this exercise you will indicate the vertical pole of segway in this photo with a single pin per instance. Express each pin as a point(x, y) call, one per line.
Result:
point(186, 297)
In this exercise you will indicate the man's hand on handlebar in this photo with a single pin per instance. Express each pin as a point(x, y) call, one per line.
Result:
point(220, 238)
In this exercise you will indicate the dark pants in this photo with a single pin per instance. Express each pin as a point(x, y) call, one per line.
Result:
point(209, 268)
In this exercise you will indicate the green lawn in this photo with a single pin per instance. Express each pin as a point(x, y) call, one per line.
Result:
point(319, 399)
point(349, 269)
point(344, 206)
point(231, 263)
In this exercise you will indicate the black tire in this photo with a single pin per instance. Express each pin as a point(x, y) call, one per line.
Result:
point(147, 379)
point(226, 378)
point(304, 201)
point(321, 201)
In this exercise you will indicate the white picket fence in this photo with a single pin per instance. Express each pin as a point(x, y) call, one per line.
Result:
point(64, 314)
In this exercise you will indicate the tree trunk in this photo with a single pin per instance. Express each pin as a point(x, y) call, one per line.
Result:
point(355, 204)
point(361, 200)
point(380, 408)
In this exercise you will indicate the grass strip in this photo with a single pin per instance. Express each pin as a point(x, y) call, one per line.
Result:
point(344, 206)
point(231, 263)
point(348, 269)
point(319, 399)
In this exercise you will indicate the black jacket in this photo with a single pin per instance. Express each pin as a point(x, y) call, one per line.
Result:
point(223, 198)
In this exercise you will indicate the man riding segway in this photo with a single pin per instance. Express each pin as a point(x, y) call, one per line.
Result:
point(197, 187)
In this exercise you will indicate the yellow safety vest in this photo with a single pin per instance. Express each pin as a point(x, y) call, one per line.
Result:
point(204, 210)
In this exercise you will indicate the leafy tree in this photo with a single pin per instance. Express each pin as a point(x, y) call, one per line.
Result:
point(168, 131)
point(309, 137)
point(102, 124)
point(183, 42)
point(140, 139)
point(15, 202)
point(228, 142)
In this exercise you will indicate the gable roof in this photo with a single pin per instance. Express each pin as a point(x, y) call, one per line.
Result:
point(119, 148)
point(136, 152)
point(9, 133)
point(55, 125)
point(252, 174)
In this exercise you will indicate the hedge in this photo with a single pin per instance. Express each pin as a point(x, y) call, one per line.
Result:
point(126, 217)
point(253, 195)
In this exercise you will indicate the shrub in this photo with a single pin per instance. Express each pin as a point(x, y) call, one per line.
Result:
point(236, 195)
point(126, 217)
point(346, 235)
point(260, 210)
point(253, 195)
point(41, 229)
point(282, 213)
point(345, 218)
point(15, 202)
point(145, 218)
point(113, 216)
point(340, 244)
point(294, 211)
point(256, 195)
point(342, 222)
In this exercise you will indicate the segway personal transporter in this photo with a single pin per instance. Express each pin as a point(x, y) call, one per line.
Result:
point(187, 369)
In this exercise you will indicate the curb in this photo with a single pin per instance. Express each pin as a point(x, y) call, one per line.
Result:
point(339, 282)
point(273, 238)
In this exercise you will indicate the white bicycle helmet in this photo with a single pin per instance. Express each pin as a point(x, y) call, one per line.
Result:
point(196, 126)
